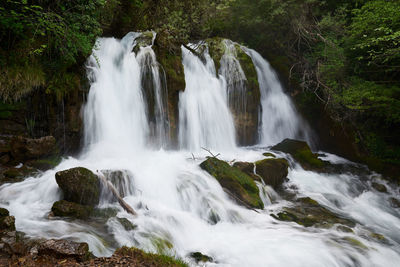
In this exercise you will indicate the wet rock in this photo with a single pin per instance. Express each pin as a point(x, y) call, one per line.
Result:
point(302, 153)
point(23, 148)
point(379, 187)
point(267, 154)
point(7, 222)
point(246, 167)
point(308, 212)
point(145, 39)
point(199, 257)
point(394, 202)
point(272, 171)
point(105, 213)
point(128, 226)
point(79, 185)
point(240, 185)
point(65, 208)
point(65, 249)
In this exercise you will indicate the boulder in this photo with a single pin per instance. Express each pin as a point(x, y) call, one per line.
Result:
point(65, 249)
point(240, 185)
point(128, 226)
point(65, 208)
point(23, 148)
point(308, 212)
point(7, 222)
point(302, 153)
point(200, 257)
point(79, 185)
point(272, 171)
point(379, 187)
point(247, 167)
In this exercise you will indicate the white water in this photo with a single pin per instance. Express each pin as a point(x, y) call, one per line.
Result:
point(204, 117)
point(178, 202)
point(279, 118)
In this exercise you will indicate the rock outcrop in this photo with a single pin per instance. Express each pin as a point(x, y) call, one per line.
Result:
point(272, 171)
point(240, 185)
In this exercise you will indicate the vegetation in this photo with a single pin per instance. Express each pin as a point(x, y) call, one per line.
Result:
point(341, 54)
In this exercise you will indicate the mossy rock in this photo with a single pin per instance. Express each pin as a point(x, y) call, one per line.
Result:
point(302, 153)
point(272, 171)
point(199, 257)
point(268, 154)
point(104, 213)
point(65, 208)
point(45, 163)
point(161, 245)
point(128, 226)
point(79, 185)
point(148, 259)
point(379, 187)
point(307, 212)
point(238, 183)
point(4, 212)
point(246, 167)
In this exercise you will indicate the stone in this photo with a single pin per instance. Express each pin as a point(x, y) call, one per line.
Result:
point(302, 153)
point(307, 212)
point(65, 249)
point(272, 171)
point(246, 167)
point(23, 148)
point(65, 208)
point(199, 257)
point(379, 187)
point(240, 185)
point(79, 185)
point(394, 202)
point(128, 226)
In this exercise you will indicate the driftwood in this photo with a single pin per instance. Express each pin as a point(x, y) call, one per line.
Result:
point(209, 151)
point(122, 202)
point(199, 55)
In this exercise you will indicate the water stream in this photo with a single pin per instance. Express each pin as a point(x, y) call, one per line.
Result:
point(181, 208)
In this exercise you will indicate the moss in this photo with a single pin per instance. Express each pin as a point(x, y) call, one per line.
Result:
point(161, 245)
point(199, 257)
point(216, 49)
point(234, 180)
point(302, 153)
point(128, 226)
point(79, 185)
point(45, 163)
point(149, 259)
point(272, 171)
point(354, 242)
point(267, 154)
point(64, 208)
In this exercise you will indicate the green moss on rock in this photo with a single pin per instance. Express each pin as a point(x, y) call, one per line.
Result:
point(79, 185)
point(272, 171)
point(238, 183)
point(199, 257)
point(302, 153)
point(65, 208)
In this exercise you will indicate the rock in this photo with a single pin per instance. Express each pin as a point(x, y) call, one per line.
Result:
point(145, 39)
point(394, 202)
point(246, 167)
point(308, 212)
point(7, 222)
point(23, 148)
point(105, 213)
point(199, 257)
point(272, 171)
point(65, 249)
point(79, 185)
point(302, 153)
point(128, 226)
point(267, 154)
point(65, 208)
point(379, 187)
point(240, 185)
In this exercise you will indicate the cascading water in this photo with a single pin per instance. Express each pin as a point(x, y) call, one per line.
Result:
point(279, 118)
point(204, 117)
point(180, 208)
point(155, 92)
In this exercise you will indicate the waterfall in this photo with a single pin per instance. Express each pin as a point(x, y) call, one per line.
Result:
point(204, 116)
point(181, 209)
point(127, 99)
point(279, 118)
point(154, 88)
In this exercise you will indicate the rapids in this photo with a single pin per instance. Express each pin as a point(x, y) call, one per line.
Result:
point(181, 208)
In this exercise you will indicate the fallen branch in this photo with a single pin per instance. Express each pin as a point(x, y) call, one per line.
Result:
point(214, 156)
point(122, 202)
